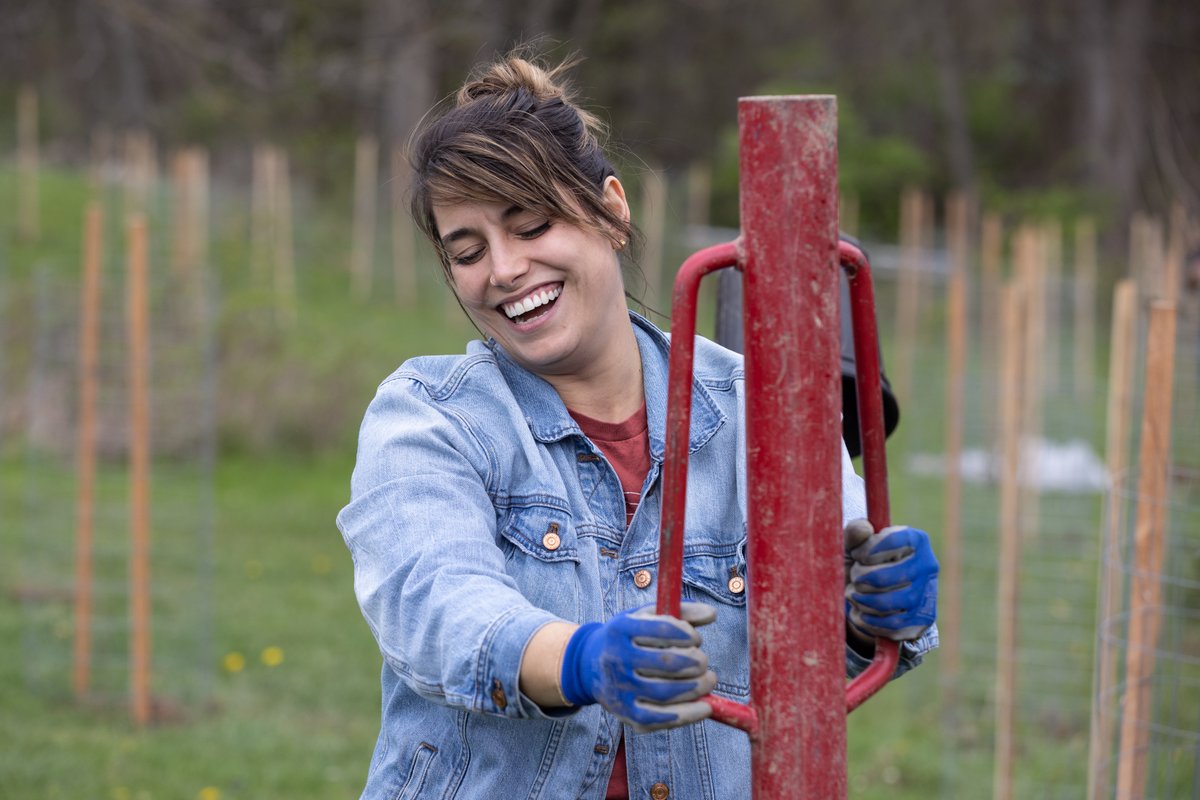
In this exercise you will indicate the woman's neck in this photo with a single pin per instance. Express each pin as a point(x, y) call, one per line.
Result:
point(611, 389)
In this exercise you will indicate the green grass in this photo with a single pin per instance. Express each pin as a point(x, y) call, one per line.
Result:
point(290, 403)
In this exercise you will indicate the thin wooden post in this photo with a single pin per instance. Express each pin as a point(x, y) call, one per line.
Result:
point(654, 226)
point(262, 193)
point(404, 245)
point(1085, 310)
point(366, 179)
point(139, 470)
point(912, 209)
point(28, 217)
point(1150, 534)
point(1117, 424)
point(89, 347)
point(1173, 259)
point(182, 244)
point(1030, 258)
point(958, 240)
point(1012, 314)
point(991, 246)
point(1052, 272)
point(848, 214)
point(285, 261)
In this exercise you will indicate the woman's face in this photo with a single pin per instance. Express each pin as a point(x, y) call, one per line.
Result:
point(549, 291)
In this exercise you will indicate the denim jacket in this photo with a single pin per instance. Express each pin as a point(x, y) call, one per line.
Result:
point(479, 512)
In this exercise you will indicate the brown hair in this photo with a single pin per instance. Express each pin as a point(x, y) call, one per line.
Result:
point(514, 135)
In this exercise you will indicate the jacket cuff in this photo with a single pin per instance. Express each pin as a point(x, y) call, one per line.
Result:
point(498, 670)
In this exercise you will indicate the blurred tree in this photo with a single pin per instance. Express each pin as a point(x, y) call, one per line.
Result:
point(1012, 96)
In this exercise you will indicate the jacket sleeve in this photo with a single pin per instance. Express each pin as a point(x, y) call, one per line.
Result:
point(428, 574)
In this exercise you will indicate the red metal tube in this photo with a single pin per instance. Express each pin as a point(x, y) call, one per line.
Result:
point(788, 155)
point(679, 418)
point(872, 435)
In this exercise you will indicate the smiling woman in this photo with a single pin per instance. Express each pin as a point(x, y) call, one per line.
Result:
point(505, 504)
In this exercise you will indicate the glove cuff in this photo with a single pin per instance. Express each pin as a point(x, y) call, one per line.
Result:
point(572, 683)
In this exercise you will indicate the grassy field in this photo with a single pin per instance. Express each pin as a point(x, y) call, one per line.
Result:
point(288, 667)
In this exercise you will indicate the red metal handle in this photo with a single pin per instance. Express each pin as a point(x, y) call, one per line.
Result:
point(675, 462)
point(872, 434)
point(679, 413)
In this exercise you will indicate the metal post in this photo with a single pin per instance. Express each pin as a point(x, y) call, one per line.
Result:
point(788, 155)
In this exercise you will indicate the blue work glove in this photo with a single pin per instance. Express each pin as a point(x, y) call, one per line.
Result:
point(891, 581)
point(647, 669)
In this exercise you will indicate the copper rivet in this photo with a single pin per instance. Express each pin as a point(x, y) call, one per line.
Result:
point(737, 584)
point(641, 579)
point(498, 696)
point(659, 791)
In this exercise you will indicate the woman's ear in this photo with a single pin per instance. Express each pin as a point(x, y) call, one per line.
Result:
point(612, 194)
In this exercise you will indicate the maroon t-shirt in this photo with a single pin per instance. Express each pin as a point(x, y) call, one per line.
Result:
point(626, 445)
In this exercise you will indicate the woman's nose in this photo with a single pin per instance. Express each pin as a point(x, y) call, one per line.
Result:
point(508, 267)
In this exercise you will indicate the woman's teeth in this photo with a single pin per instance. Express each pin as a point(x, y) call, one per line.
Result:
point(531, 302)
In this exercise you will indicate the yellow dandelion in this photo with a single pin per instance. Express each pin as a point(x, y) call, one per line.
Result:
point(209, 793)
point(120, 793)
point(234, 662)
point(272, 656)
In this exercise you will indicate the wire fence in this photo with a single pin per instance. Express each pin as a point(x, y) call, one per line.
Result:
point(79, 582)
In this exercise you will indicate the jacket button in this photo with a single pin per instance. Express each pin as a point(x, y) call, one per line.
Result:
point(551, 540)
point(737, 584)
point(641, 579)
point(498, 696)
point(659, 791)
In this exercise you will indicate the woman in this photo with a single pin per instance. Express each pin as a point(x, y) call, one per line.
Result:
point(505, 503)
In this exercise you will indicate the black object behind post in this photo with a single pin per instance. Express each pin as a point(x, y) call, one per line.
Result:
point(729, 335)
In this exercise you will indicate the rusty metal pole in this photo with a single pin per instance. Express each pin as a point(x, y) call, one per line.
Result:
point(788, 155)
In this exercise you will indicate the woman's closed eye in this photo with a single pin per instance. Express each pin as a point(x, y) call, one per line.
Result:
point(534, 232)
point(467, 258)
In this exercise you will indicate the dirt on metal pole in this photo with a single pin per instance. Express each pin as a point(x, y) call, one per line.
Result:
point(789, 209)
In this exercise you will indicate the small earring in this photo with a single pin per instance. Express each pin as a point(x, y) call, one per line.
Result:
point(621, 245)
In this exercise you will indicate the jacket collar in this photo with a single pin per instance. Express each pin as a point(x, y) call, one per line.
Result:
point(549, 420)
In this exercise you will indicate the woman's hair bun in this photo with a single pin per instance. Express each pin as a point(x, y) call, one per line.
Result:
point(512, 75)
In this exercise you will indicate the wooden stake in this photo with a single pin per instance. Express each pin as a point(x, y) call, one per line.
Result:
point(654, 226)
point(912, 209)
point(28, 217)
point(285, 262)
point(1150, 533)
point(1085, 310)
point(848, 214)
point(262, 218)
point(1012, 318)
point(991, 245)
point(957, 229)
point(1051, 280)
point(1029, 255)
point(139, 471)
point(89, 347)
point(1173, 258)
point(366, 180)
point(1120, 405)
point(404, 245)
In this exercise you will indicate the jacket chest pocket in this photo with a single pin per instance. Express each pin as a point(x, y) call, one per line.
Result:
point(541, 555)
point(716, 575)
